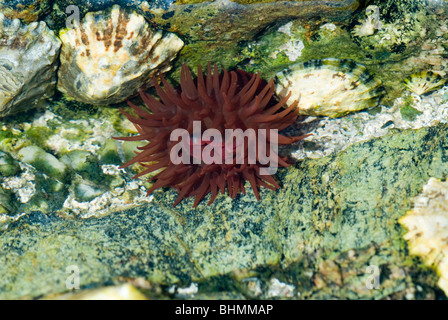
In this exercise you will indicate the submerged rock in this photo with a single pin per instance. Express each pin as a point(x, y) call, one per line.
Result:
point(43, 161)
point(8, 165)
point(391, 30)
point(110, 55)
point(223, 20)
point(54, 162)
point(28, 62)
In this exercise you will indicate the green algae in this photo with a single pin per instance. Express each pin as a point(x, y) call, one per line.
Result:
point(399, 38)
point(84, 163)
point(8, 165)
point(295, 42)
point(267, 54)
point(109, 153)
point(57, 149)
point(87, 192)
point(408, 112)
point(44, 162)
point(230, 42)
point(7, 205)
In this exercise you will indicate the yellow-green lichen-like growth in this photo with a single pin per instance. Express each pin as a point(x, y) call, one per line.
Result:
point(427, 226)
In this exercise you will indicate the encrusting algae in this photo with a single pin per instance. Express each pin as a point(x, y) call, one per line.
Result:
point(28, 61)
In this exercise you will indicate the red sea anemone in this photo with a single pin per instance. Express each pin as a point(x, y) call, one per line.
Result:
point(227, 100)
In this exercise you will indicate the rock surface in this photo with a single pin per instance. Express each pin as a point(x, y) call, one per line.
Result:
point(334, 218)
point(223, 19)
point(331, 232)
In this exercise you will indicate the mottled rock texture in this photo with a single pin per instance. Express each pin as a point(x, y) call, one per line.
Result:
point(333, 218)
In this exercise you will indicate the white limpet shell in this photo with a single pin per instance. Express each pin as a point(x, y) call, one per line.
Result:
point(427, 226)
point(28, 62)
point(329, 87)
point(424, 82)
point(112, 54)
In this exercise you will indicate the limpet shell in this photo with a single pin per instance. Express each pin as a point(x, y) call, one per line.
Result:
point(424, 82)
point(111, 54)
point(28, 62)
point(329, 87)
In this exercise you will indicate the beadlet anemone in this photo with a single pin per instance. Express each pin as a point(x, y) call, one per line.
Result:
point(226, 100)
